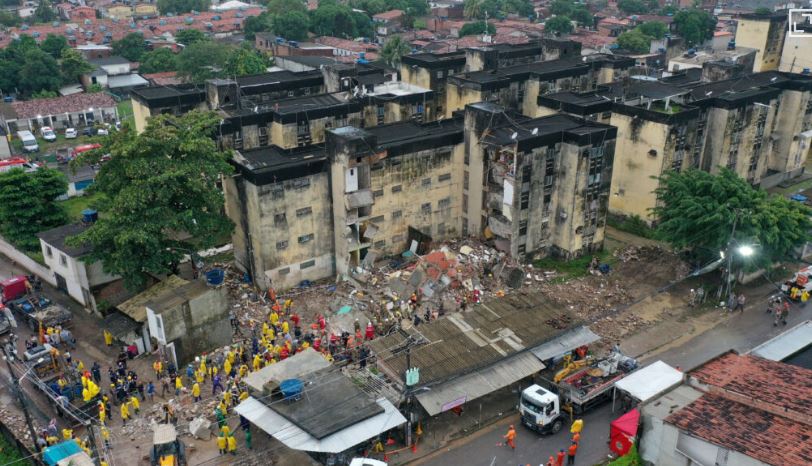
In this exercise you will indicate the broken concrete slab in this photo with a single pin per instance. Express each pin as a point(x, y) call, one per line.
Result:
point(200, 428)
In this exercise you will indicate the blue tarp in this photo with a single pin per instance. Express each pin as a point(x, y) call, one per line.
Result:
point(56, 453)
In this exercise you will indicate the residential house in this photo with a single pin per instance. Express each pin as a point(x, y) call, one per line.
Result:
point(87, 283)
point(796, 57)
point(113, 73)
point(134, 328)
point(71, 111)
point(189, 320)
point(766, 34)
point(387, 23)
point(352, 49)
point(733, 409)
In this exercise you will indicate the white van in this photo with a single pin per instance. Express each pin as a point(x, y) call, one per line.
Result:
point(29, 141)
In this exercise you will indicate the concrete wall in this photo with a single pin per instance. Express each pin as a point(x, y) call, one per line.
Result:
point(632, 191)
point(790, 148)
point(72, 270)
point(199, 325)
point(140, 114)
point(26, 264)
point(796, 55)
point(764, 35)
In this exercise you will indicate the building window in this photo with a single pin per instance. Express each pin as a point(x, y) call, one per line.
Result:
point(444, 203)
point(444, 177)
point(397, 214)
point(301, 183)
point(377, 193)
point(523, 228)
point(280, 245)
point(380, 244)
point(304, 211)
point(308, 264)
point(63, 260)
point(378, 219)
point(280, 220)
point(426, 208)
point(525, 202)
point(522, 249)
point(426, 182)
point(48, 251)
point(306, 238)
point(397, 188)
point(441, 229)
point(284, 271)
point(263, 135)
point(278, 193)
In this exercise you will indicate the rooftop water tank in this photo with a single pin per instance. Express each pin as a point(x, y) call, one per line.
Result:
point(89, 216)
point(291, 389)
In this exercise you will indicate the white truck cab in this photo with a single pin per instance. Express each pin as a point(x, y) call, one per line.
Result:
point(541, 410)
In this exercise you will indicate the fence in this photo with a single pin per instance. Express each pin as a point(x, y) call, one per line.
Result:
point(26, 263)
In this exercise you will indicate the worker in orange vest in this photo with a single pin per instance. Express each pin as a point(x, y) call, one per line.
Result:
point(571, 454)
point(576, 438)
point(559, 460)
point(510, 436)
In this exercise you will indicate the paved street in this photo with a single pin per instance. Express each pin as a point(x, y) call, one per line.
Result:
point(739, 332)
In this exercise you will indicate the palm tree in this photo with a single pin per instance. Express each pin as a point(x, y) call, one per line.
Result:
point(472, 9)
point(394, 49)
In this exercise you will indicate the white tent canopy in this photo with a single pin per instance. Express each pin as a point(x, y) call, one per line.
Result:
point(650, 381)
point(293, 437)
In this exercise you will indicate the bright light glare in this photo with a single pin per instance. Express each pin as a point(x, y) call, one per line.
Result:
point(746, 251)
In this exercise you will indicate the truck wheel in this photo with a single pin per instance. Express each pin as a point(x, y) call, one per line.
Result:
point(557, 426)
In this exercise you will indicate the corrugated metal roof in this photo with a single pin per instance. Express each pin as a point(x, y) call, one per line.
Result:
point(564, 343)
point(469, 387)
point(136, 307)
point(786, 344)
point(294, 367)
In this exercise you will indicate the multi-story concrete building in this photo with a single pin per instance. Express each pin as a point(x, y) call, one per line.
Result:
point(766, 34)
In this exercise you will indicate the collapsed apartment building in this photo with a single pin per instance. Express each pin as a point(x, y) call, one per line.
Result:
point(529, 146)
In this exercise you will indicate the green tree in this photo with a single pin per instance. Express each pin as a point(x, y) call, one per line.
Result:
point(44, 12)
point(158, 60)
point(653, 29)
point(53, 45)
point(363, 25)
point(635, 7)
point(561, 7)
point(634, 41)
point(72, 65)
point(43, 94)
point(131, 46)
point(201, 61)
point(583, 17)
point(9, 19)
point(39, 71)
point(94, 88)
point(182, 6)
point(159, 186)
point(27, 205)
point(668, 10)
point(9, 73)
point(523, 8)
point(472, 29)
point(292, 25)
point(244, 61)
point(472, 9)
point(560, 25)
point(260, 23)
point(695, 25)
point(278, 7)
point(331, 19)
point(697, 210)
point(763, 11)
point(394, 49)
point(191, 36)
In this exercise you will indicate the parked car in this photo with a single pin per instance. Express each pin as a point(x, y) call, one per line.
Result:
point(103, 132)
point(71, 133)
point(47, 133)
point(88, 131)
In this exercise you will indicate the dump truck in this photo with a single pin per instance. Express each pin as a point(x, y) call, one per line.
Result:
point(167, 448)
point(49, 316)
point(546, 409)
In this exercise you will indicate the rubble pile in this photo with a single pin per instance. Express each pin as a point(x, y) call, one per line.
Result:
point(16, 423)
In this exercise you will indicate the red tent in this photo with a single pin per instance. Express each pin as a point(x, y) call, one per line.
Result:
point(622, 432)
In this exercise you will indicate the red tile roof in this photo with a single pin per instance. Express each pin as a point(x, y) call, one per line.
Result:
point(67, 104)
point(388, 15)
point(761, 435)
point(759, 382)
point(346, 44)
point(166, 78)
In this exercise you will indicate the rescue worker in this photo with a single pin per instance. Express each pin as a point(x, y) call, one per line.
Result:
point(108, 338)
point(136, 404)
point(105, 436)
point(178, 385)
point(196, 392)
point(510, 436)
point(232, 445)
point(248, 439)
point(559, 459)
point(125, 413)
point(571, 454)
point(221, 444)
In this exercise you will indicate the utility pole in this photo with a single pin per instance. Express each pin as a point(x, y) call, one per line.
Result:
point(18, 389)
point(91, 435)
point(728, 287)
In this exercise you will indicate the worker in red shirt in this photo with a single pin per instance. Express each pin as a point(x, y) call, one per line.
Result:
point(551, 461)
point(510, 437)
point(571, 454)
point(559, 461)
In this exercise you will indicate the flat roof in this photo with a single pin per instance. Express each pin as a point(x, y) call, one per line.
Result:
point(329, 403)
point(173, 297)
point(555, 126)
point(409, 136)
point(136, 308)
point(294, 367)
point(273, 164)
point(275, 77)
point(785, 344)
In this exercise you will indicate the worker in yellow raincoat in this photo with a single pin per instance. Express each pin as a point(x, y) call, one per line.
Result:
point(125, 413)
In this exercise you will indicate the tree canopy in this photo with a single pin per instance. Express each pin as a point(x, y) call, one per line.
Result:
point(333, 19)
point(182, 6)
point(637, 7)
point(191, 36)
point(159, 187)
point(244, 61)
point(695, 25)
point(478, 9)
point(201, 61)
point(394, 49)
point(53, 45)
point(39, 71)
point(73, 65)
point(479, 27)
point(131, 46)
point(260, 23)
point(28, 205)
point(697, 210)
point(159, 60)
point(45, 12)
point(292, 25)
point(559, 25)
point(639, 39)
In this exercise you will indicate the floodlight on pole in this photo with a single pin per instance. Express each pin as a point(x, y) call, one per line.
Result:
point(746, 250)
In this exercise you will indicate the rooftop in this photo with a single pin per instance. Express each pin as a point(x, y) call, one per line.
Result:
point(59, 105)
point(114, 60)
point(558, 126)
point(388, 15)
point(699, 58)
point(136, 307)
point(55, 237)
point(173, 297)
point(276, 77)
point(467, 342)
point(273, 157)
point(407, 133)
point(330, 402)
point(396, 88)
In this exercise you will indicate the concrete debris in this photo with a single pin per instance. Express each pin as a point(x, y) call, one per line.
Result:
point(200, 428)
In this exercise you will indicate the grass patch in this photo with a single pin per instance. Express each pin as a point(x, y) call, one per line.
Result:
point(74, 206)
point(9, 453)
point(569, 269)
point(125, 109)
point(37, 256)
point(634, 225)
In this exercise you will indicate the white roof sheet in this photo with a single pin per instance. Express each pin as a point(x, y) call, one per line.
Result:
point(294, 367)
point(230, 5)
point(293, 437)
point(564, 343)
point(786, 344)
point(650, 381)
point(471, 386)
point(126, 80)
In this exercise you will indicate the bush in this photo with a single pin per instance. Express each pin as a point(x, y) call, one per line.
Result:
point(633, 224)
